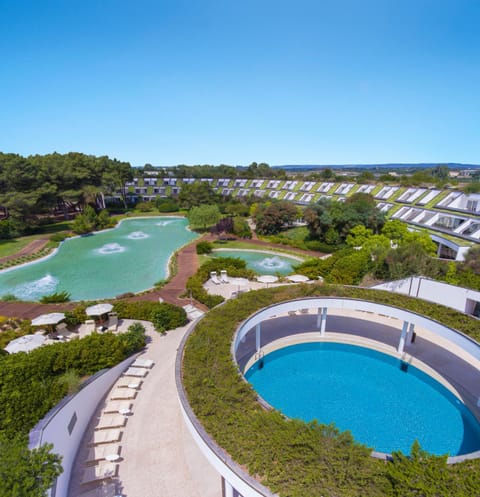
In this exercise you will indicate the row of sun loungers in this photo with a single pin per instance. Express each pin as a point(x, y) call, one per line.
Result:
point(104, 448)
point(219, 280)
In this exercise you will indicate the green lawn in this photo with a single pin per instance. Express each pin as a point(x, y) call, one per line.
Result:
point(11, 247)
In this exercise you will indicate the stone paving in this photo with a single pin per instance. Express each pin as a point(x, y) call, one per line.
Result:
point(159, 458)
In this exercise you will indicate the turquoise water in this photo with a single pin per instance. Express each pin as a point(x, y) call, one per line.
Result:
point(368, 393)
point(129, 258)
point(262, 262)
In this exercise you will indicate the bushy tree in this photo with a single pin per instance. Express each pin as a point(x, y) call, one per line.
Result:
point(331, 221)
point(270, 219)
point(24, 472)
point(197, 194)
point(203, 216)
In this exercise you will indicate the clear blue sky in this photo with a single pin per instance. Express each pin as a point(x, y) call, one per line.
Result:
point(221, 81)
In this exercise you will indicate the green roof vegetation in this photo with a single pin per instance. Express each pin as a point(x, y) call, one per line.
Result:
point(294, 458)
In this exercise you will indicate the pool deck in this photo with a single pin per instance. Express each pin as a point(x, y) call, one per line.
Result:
point(158, 456)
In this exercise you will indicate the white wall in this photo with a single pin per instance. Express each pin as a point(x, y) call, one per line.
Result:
point(434, 291)
point(54, 428)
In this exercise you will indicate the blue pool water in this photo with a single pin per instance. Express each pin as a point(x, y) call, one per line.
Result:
point(129, 258)
point(368, 393)
point(261, 262)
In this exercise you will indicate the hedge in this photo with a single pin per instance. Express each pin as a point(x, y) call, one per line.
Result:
point(291, 457)
point(31, 384)
point(164, 316)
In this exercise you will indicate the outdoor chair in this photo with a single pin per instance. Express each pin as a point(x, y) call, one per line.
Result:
point(100, 472)
point(89, 326)
point(214, 278)
point(112, 321)
point(96, 454)
point(224, 276)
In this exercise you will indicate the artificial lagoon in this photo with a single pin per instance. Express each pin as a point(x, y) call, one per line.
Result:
point(129, 258)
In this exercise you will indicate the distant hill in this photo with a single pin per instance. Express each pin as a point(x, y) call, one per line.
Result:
point(312, 167)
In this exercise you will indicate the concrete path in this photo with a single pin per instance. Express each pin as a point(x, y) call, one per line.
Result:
point(159, 457)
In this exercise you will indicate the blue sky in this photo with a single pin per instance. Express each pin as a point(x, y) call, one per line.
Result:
point(219, 81)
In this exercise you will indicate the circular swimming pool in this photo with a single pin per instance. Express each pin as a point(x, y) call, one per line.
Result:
point(262, 262)
point(385, 403)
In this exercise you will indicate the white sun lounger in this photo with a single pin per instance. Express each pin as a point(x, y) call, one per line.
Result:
point(224, 276)
point(139, 372)
point(104, 490)
point(214, 277)
point(126, 382)
point(105, 437)
point(115, 406)
point(143, 363)
point(100, 472)
point(111, 421)
point(98, 453)
point(123, 394)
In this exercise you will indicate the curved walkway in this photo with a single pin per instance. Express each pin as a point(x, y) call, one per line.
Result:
point(33, 247)
point(159, 457)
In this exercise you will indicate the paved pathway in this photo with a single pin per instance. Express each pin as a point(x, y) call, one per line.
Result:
point(33, 247)
point(159, 457)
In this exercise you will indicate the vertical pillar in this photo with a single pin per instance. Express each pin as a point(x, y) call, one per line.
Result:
point(411, 332)
point(319, 317)
point(228, 489)
point(401, 343)
point(257, 337)
point(322, 320)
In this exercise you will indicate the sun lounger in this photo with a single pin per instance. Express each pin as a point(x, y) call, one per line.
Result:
point(304, 311)
point(62, 328)
point(139, 372)
point(126, 382)
point(111, 421)
point(224, 276)
point(112, 321)
point(104, 490)
point(214, 277)
point(292, 313)
point(123, 394)
point(115, 406)
point(99, 453)
point(89, 326)
point(100, 472)
point(143, 363)
point(105, 437)
point(189, 308)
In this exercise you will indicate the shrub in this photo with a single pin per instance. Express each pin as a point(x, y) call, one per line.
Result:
point(167, 205)
point(58, 237)
point(241, 227)
point(9, 297)
point(39, 375)
point(204, 248)
point(55, 298)
point(164, 316)
point(76, 316)
point(136, 328)
point(145, 206)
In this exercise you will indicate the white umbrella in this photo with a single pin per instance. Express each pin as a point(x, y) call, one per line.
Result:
point(267, 278)
point(98, 309)
point(25, 343)
point(298, 278)
point(48, 319)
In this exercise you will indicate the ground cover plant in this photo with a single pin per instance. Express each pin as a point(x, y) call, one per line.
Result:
point(295, 458)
